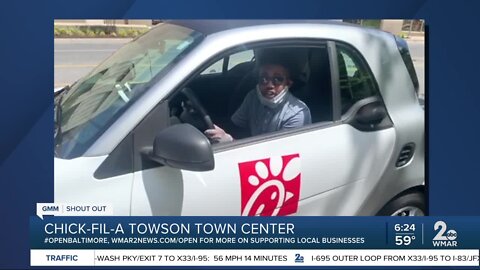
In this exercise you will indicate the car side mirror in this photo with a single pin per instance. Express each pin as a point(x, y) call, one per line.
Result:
point(371, 114)
point(182, 146)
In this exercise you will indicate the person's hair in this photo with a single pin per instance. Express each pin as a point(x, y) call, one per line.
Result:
point(276, 56)
point(287, 72)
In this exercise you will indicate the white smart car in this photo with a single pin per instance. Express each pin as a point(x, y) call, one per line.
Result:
point(130, 133)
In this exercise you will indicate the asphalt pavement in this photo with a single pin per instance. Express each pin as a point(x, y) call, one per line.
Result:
point(74, 58)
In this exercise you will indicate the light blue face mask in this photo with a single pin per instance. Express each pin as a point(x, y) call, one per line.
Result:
point(273, 102)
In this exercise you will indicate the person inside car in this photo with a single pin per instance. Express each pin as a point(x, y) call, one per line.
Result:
point(269, 107)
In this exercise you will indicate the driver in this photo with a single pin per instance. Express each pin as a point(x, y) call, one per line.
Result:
point(269, 107)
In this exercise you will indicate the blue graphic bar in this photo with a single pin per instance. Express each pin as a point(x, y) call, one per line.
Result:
point(255, 233)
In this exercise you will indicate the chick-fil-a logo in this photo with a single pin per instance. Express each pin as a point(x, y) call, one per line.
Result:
point(271, 186)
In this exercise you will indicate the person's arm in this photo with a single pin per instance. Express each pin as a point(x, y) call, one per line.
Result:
point(299, 119)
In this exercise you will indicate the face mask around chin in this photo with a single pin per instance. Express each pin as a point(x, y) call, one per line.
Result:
point(275, 101)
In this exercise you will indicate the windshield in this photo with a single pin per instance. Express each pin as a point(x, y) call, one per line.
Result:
point(94, 102)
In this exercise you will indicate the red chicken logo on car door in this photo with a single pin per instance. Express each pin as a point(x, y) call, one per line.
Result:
point(271, 186)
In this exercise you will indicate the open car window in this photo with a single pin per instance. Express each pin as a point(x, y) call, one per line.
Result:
point(221, 96)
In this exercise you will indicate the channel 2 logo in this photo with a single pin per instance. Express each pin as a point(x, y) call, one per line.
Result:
point(271, 186)
point(444, 238)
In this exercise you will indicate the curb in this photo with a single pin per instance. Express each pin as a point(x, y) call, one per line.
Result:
point(415, 38)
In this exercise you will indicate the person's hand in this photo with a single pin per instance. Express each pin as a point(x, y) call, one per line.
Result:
point(218, 135)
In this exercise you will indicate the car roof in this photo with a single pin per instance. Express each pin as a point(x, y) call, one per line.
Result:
point(209, 27)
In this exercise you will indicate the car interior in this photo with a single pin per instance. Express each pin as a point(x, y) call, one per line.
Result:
point(219, 94)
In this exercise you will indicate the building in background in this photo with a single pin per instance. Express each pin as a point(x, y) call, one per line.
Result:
point(403, 28)
point(398, 27)
point(107, 22)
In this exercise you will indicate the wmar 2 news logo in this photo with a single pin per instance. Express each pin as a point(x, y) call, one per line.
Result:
point(444, 236)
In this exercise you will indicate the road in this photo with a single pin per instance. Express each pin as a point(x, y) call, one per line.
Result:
point(74, 58)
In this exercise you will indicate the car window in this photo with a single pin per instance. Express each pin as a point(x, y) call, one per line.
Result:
point(215, 68)
point(240, 57)
point(232, 101)
point(233, 60)
point(355, 80)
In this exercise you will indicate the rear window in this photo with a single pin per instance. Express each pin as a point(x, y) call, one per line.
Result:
point(407, 59)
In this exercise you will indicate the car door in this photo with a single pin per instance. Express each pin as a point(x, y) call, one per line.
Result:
point(327, 168)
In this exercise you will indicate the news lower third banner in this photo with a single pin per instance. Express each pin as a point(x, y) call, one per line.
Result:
point(254, 241)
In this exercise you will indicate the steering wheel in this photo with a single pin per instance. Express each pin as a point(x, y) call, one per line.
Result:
point(197, 105)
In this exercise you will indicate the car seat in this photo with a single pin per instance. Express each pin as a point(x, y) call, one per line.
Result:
point(317, 92)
